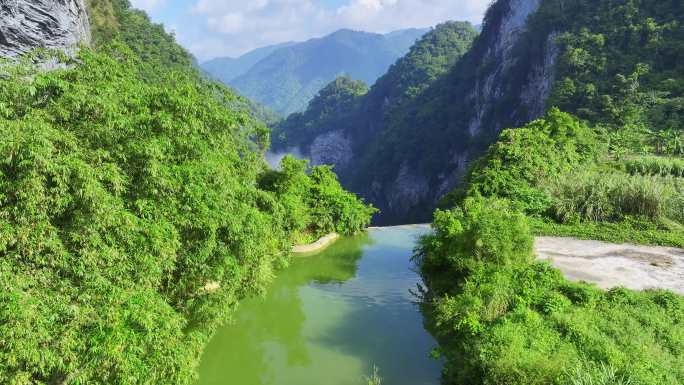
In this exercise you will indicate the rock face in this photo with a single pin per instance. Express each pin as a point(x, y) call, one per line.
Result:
point(53, 24)
point(493, 86)
point(331, 148)
point(509, 88)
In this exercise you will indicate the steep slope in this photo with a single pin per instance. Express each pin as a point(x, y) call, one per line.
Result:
point(531, 54)
point(610, 63)
point(503, 81)
point(367, 122)
point(226, 69)
point(290, 77)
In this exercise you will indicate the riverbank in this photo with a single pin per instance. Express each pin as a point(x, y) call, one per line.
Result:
point(327, 240)
point(317, 246)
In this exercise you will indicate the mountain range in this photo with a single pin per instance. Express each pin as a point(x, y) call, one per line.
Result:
point(286, 77)
point(226, 69)
point(411, 138)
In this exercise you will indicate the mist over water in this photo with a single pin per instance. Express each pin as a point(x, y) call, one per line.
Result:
point(274, 158)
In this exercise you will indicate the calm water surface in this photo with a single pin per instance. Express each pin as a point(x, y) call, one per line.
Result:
point(329, 318)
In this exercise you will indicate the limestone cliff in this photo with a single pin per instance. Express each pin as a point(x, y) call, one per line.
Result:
point(502, 82)
point(30, 24)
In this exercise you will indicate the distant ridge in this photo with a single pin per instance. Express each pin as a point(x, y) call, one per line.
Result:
point(286, 77)
point(226, 69)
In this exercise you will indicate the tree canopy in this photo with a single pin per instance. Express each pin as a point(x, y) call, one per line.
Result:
point(132, 219)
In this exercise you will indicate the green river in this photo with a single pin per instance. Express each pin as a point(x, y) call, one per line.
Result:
point(329, 318)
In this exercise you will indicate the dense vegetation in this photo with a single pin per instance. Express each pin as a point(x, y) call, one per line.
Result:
point(287, 79)
point(620, 68)
point(502, 318)
point(133, 211)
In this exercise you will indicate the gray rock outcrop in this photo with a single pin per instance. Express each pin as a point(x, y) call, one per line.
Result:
point(53, 24)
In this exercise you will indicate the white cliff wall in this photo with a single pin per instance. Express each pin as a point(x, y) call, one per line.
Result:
point(52, 24)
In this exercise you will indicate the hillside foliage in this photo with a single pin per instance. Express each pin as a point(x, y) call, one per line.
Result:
point(502, 318)
point(324, 114)
point(132, 215)
point(117, 20)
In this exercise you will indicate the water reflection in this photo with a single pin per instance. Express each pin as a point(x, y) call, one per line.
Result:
point(328, 318)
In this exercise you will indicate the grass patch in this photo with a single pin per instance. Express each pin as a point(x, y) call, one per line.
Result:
point(654, 165)
point(600, 197)
point(630, 230)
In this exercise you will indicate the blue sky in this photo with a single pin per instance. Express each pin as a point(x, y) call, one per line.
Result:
point(212, 28)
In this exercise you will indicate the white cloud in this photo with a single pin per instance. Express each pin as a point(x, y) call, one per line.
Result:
point(232, 27)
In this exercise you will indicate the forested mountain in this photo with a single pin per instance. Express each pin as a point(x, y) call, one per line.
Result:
point(353, 134)
point(136, 206)
point(530, 55)
point(226, 69)
point(288, 78)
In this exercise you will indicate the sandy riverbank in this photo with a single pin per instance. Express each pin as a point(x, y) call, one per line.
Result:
point(319, 245)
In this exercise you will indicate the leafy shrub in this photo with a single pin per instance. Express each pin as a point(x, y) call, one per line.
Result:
point(291, 185)
point(522, 323)
point(333, 208)
point(522, 159)
point(315, 202)
point(482, 231)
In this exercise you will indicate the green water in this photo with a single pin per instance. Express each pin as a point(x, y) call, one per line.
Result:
point(329, 318)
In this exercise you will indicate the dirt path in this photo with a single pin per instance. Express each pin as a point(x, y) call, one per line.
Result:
point(611, 265)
